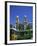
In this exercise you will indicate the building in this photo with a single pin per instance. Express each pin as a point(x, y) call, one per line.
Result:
point(25, 22)
point(17, 34)
point(17, 22)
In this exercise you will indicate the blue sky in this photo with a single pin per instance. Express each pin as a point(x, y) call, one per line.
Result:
point(20, 11)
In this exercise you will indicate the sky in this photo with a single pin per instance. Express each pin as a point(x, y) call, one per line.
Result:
point(20, 11)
